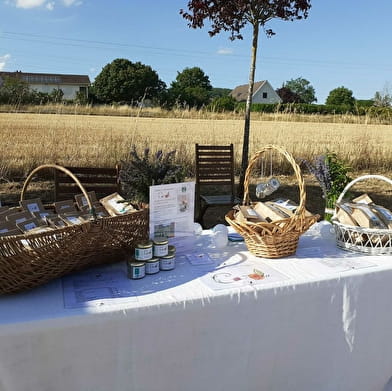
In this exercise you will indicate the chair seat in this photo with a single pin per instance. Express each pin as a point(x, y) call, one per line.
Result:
point(220, 200)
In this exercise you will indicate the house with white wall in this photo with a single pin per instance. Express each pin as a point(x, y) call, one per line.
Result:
point(47, 82)
point(262, 93)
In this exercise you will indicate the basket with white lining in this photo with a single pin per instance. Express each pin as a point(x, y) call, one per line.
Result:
point(372, 241)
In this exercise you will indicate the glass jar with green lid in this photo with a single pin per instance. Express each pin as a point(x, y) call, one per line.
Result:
point(143, 251)
point(168, 262)
point(136, 270)
point(152, 266)
point(161, 246)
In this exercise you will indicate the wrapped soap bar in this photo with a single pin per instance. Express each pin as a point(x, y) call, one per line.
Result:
point(366, 217)
point(384, 214)
point(270, 212)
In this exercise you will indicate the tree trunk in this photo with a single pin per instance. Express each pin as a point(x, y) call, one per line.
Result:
point(245, 144)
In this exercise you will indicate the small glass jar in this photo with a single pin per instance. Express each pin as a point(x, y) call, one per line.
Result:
point(143, 251)
point(152, 266)
point(161, 247)
point(167, 262)
point(136, 270)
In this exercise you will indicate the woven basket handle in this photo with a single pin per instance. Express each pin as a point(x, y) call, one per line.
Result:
point(66, 171)
point(359, 179)
point(301, 183)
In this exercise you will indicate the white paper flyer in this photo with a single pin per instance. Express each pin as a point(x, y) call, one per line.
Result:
point(172, 210)
point(97, 287)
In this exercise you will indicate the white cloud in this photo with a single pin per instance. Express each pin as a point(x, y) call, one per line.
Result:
point(68, 3)
point(29, 3)
point(48, 4)
point(3, 61)
point(225, 51)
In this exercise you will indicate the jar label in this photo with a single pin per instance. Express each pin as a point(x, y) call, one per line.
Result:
point(167, 264)
point(160, 250)
point(136, 272)
point(152, 267)
point(143, 254)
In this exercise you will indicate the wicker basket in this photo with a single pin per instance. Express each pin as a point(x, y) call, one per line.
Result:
point(279, 238)
point(372, 241)
point(29, 260)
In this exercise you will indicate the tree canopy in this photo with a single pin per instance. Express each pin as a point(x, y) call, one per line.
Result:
point(217, 92)
point(127, 82)
point(288, 96)
point(232, 16)
point(191, 88)
point(341, 96)
point(302, 88)
point(14, 90)
point(383, 98)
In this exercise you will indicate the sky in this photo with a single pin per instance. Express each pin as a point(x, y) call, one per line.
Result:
point(342, 43)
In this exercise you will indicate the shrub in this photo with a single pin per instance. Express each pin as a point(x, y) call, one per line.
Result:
point(138, 173)
point(222, 103)
point(332, 175)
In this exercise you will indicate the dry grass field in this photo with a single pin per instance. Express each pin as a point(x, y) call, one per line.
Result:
point(29, 140)
point(32, 139)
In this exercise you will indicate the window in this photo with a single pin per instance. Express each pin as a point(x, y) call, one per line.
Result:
point(83, 91)
point(265, 95)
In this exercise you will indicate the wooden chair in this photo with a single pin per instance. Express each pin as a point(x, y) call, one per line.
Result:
point(214, 178)
point(103, 181)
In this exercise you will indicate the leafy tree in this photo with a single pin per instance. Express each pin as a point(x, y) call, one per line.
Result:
point(383, 98)
point(56, 96)
point(14, 91)
point(233, 16)
point(192, 87)
point(303, 89)
point(288, 96)
point(127, 82)
point(223, 103)
point(81, 98)
point(365, 102)
point(39, 98)
point(341, 96)
point(218, 92)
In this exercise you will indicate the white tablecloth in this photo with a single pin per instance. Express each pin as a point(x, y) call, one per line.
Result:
point(324, 323)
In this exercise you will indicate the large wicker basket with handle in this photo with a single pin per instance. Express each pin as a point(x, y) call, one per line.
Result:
point(276, 239)
point(29, 260)
point(371, 241)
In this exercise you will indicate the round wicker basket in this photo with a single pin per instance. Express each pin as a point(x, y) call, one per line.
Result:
point(372, 241)
point(276, 239)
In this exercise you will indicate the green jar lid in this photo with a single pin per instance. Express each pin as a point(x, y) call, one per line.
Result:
point(136, 264)
point(145, 244)
point(153, 260)
point(160, 241)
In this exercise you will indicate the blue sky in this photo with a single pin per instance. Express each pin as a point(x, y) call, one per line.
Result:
point(342, 43)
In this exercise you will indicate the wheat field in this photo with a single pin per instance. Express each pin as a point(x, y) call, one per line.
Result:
point(29, 140)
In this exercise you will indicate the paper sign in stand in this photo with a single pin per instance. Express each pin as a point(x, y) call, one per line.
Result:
point(172, 210)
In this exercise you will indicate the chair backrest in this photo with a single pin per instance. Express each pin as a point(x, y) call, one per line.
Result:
point(215, 167)
point(103, 181)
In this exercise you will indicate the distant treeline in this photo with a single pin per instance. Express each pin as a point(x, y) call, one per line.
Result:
point(304, 108)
